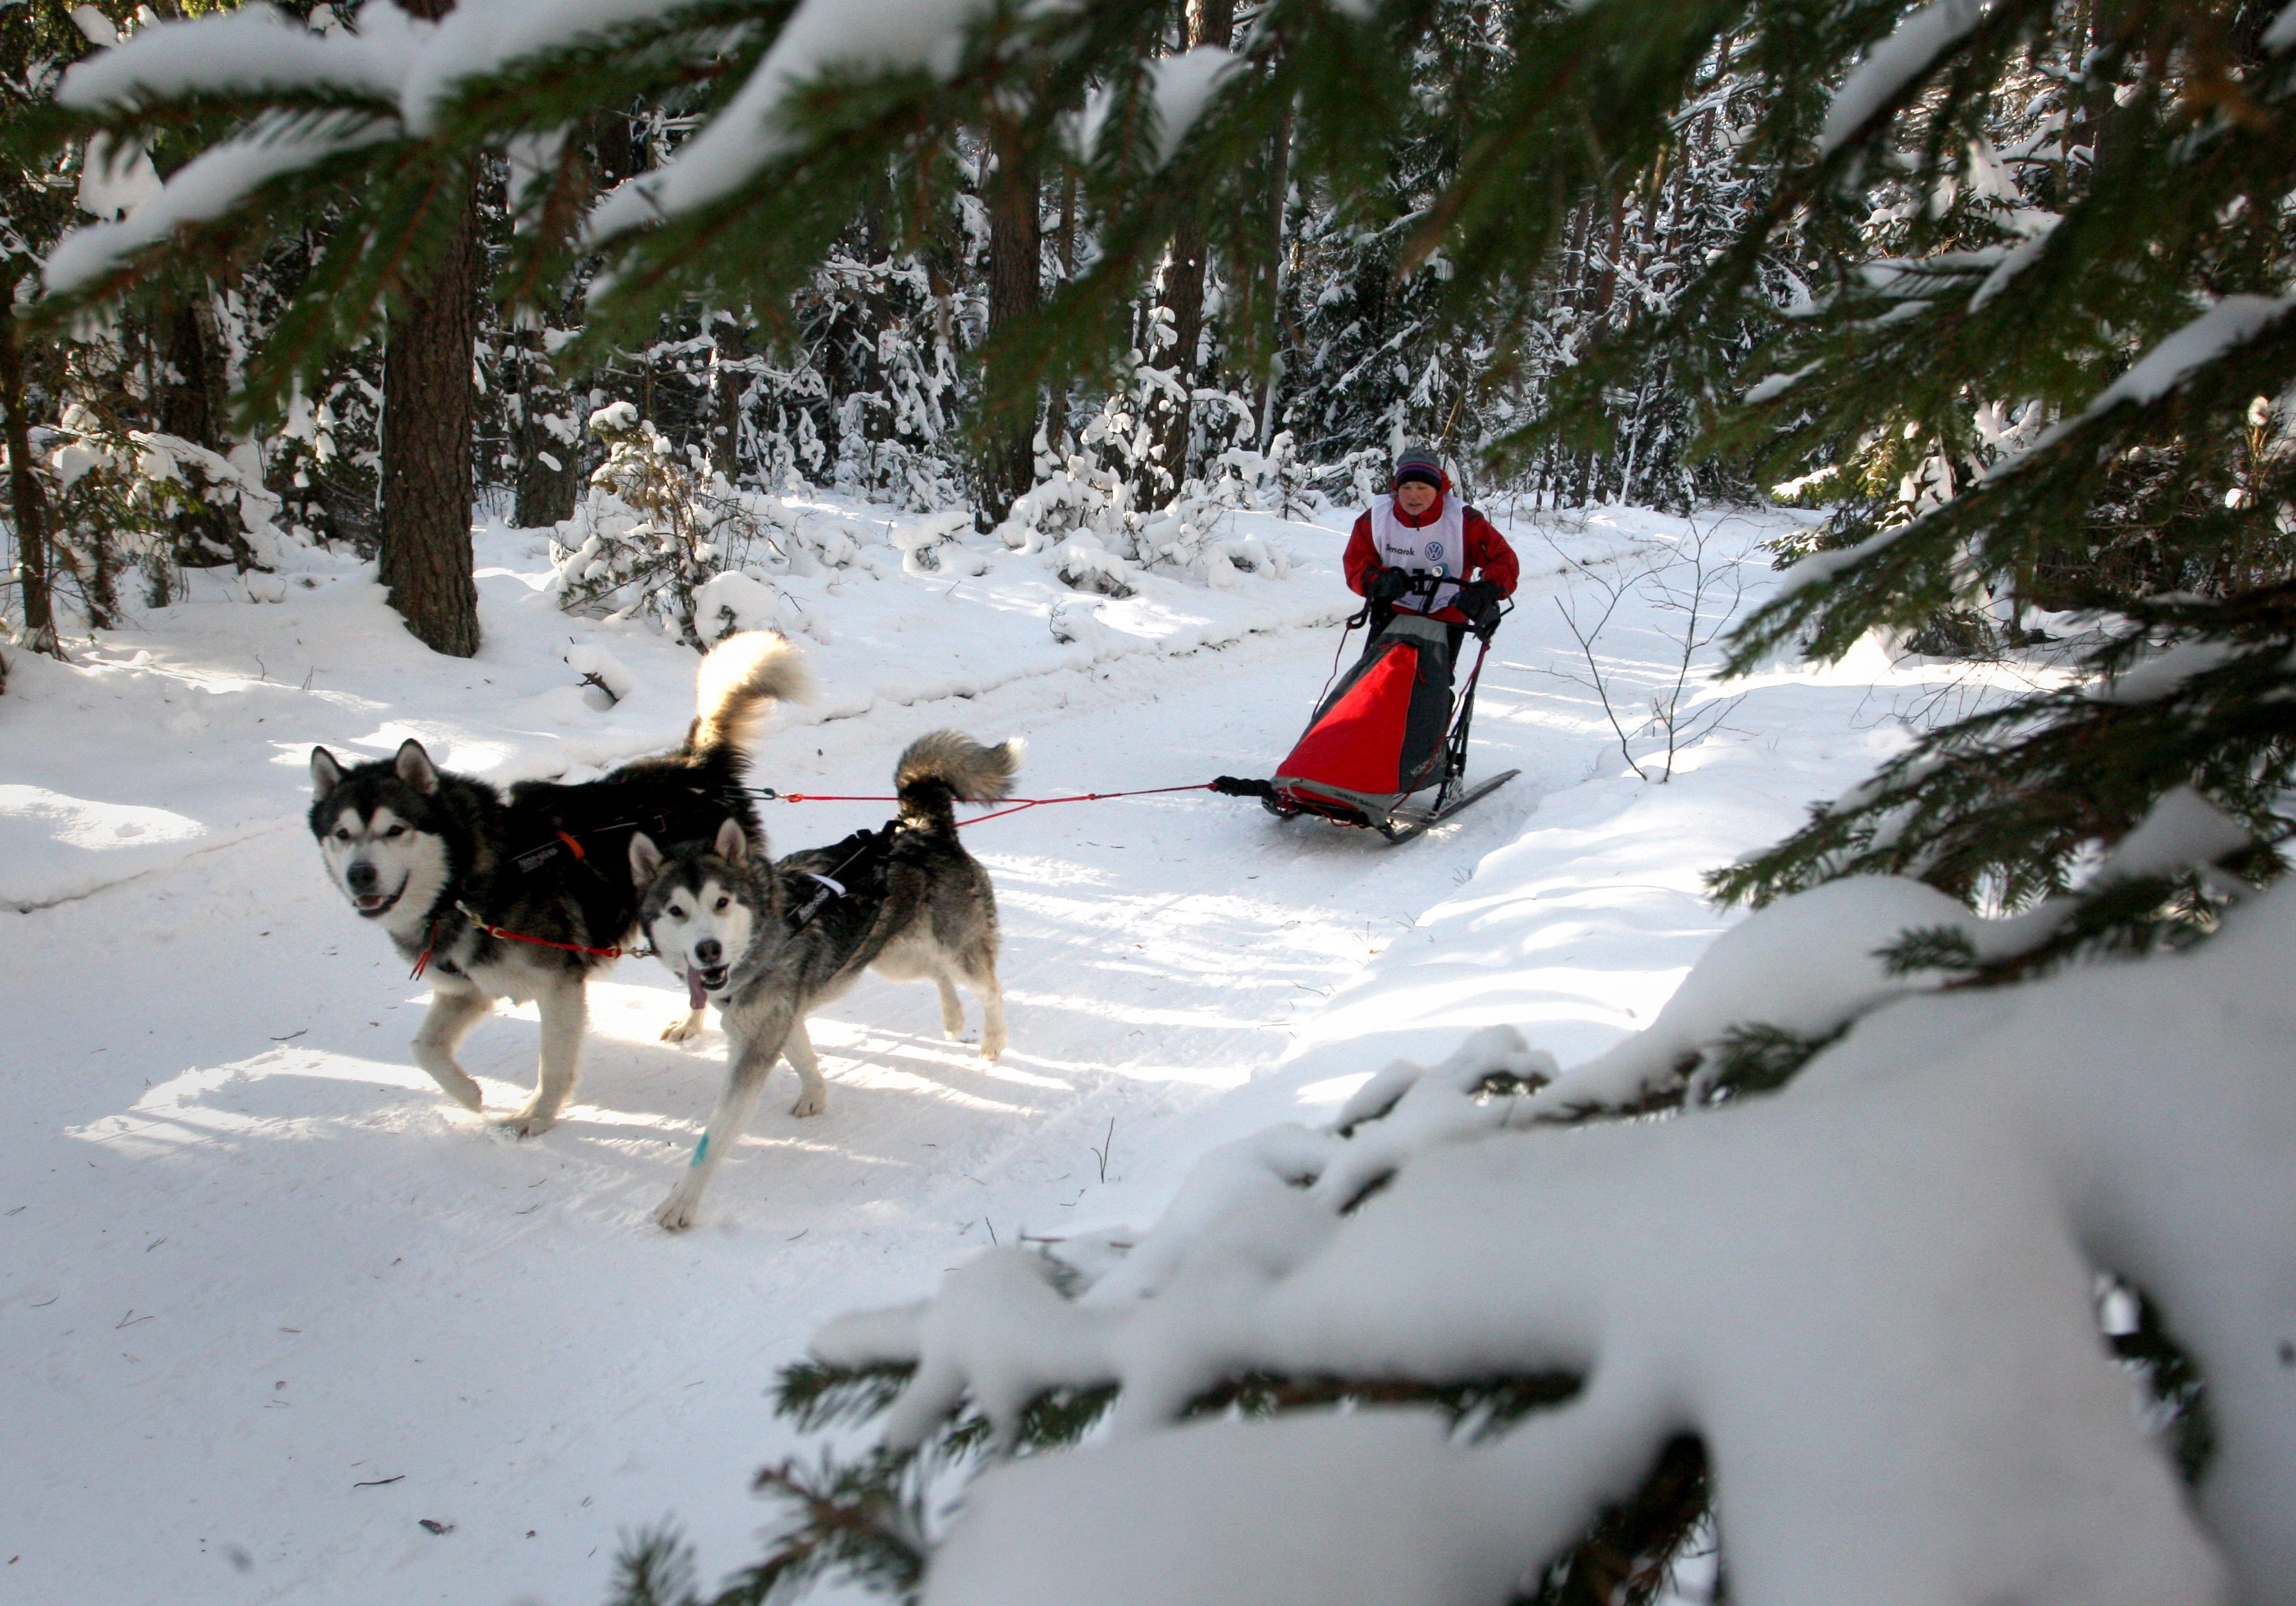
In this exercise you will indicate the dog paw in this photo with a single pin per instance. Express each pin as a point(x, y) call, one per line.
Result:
point(811, 1104)
point(684, 1028)
point(677, 1211)
point(527, 1123)
point(460, 1088)
point(993, 1047)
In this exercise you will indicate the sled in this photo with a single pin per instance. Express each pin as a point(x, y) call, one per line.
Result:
point(1391, 728)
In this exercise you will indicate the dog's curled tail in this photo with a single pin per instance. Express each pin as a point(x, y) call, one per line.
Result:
point(945, 767)
point(737, 685)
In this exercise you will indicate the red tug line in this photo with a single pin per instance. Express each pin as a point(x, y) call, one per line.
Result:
point(1018, 805)
point(1389, 687)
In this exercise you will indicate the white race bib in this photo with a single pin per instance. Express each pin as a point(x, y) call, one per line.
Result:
point(1439, 548)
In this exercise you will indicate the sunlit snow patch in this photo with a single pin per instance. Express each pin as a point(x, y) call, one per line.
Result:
point(55, 846)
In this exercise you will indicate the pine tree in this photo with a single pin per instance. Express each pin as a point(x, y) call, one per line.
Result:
point(35, 44)
point(1015, 291)
point(1211, 25)
point(402, 261)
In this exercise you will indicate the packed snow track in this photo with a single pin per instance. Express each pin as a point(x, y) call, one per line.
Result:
point(279, 1322)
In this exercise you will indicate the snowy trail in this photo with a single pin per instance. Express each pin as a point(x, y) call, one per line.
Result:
point(268, 1302)
point(256, 1260)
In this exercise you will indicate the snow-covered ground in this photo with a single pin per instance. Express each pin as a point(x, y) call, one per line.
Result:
point(270, 1306)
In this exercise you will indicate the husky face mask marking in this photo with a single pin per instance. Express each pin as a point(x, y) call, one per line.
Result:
point(372, 830)
point(696, 915)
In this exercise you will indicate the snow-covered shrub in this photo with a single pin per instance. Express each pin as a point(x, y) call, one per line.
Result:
point(1181, 539)
point(887, 346)
point(1089, 478)
point(661, 534)
point(732, 601)
point(1365, 473)
point(1072, 492)
point(640, 539)
point(606, 679)
point(927, 545)
point(126, 497)
point(748, 599)
point(832, 543)
point(1075, 623)
point(230, 484)
point(1188, 538)
point(1088, 484)
point(1225, 557)
point(1273, 481)
point(655, 528)
point(327, 461)
point(1088, 566)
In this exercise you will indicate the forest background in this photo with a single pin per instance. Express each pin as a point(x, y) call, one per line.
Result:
point(865, 382)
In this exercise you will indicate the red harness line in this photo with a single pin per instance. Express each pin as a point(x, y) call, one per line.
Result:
point(618, 952)
point(431, 941)
point(1082, 796)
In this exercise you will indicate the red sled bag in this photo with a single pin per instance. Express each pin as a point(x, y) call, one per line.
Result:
point(1379, 736)
point(1389, 729)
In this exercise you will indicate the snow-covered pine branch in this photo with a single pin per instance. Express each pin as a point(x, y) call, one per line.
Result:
point(1872, 1297)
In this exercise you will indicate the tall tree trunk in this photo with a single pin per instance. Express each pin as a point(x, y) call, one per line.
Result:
point(1015, 262)
point(427, 406)
point(729, 339)
point(1209, 22)
point(427, 445)
point(1279, 281)
point(549, 466)
point(26, 500)
point(1067, 224)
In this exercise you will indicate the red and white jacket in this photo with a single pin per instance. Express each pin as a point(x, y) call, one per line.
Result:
point(1450, 539)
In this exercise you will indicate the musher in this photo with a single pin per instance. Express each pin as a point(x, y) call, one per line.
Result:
point(1421, 528)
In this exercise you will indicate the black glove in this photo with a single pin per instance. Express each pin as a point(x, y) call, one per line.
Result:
point(1480, 600)
point(1386, 585)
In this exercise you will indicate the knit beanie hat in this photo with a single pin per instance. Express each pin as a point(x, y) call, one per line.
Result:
point(1422, 465)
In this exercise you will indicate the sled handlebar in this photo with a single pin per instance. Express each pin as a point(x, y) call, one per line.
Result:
point(1423, 586)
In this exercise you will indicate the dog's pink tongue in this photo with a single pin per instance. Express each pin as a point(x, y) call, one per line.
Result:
point(695, 995)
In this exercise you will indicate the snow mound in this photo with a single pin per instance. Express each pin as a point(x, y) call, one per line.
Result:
point(1871, 1296)
point(605, 673)
point(733, 601)
point(1812, 961)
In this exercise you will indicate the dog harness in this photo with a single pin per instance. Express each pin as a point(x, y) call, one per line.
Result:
point(802, 916)
point(656, 823)
point(868, 850)
point(503, 934)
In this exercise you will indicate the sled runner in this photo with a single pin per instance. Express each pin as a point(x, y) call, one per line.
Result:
point(1390, 728)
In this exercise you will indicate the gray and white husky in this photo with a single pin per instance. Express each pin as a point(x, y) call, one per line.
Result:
point(524, 896)
point(769, 943)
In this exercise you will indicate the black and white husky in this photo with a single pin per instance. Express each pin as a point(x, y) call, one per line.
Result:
point(769, 943)
point(524, 896)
